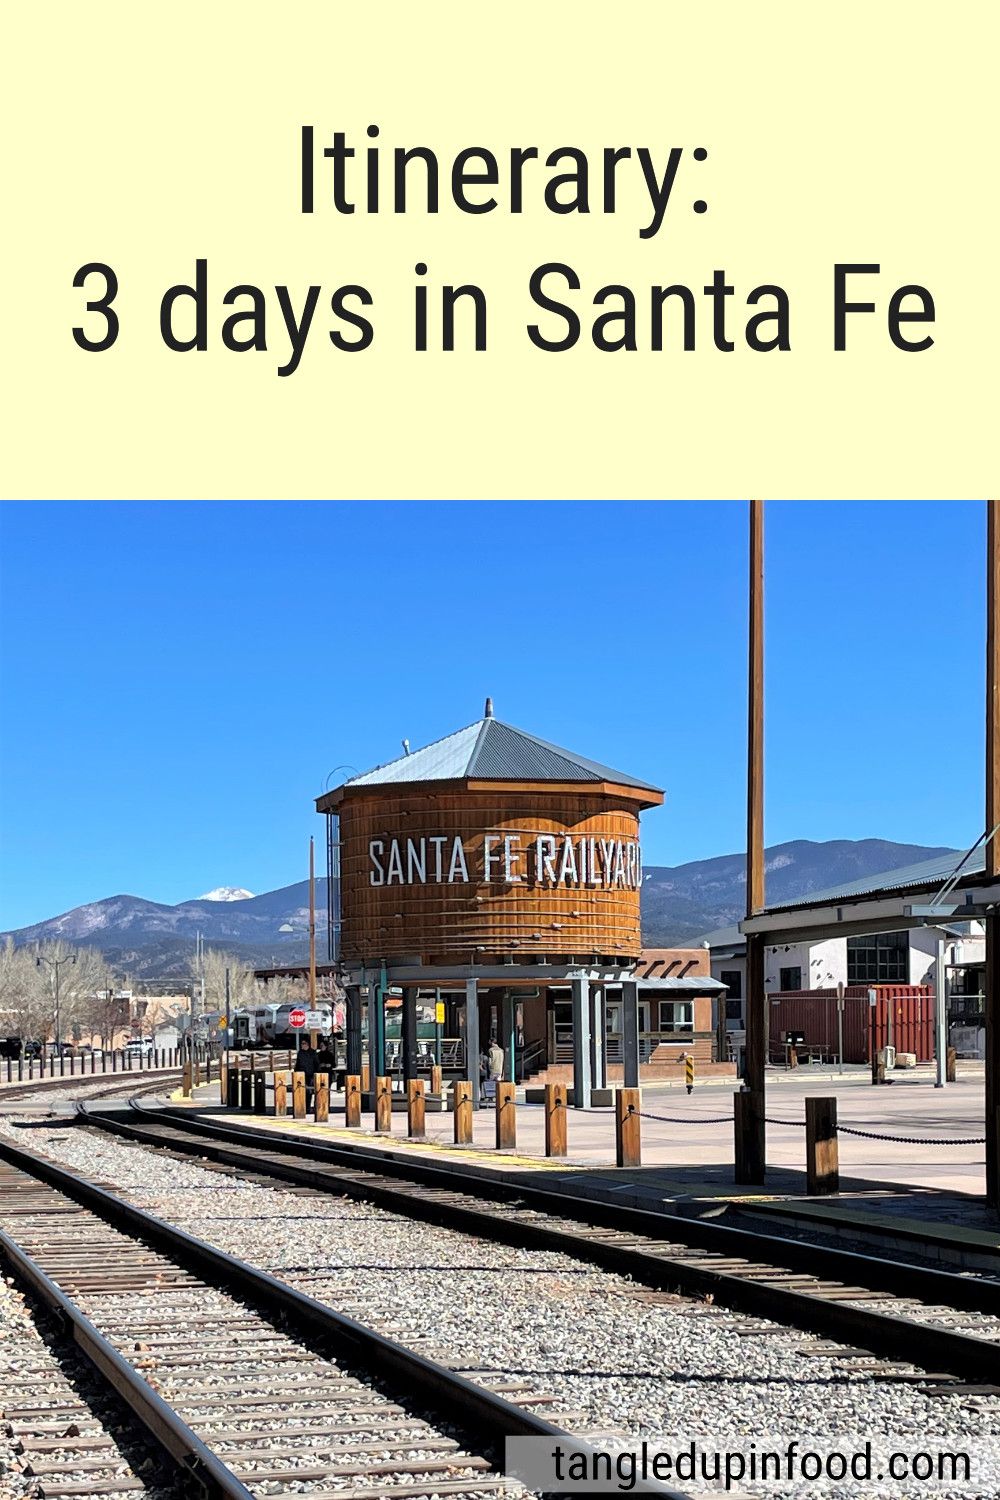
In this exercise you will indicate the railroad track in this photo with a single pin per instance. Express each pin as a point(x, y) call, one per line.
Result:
point(252, 1388)
point(94, 1086)
point(935, 1320)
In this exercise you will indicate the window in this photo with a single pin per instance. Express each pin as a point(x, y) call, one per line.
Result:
point(734, 1012)
point(733, 980)
point(791, 979)
point(676, 1015)
point(878, 958)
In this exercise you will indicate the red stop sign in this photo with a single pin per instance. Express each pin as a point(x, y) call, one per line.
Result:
point(296, 1019)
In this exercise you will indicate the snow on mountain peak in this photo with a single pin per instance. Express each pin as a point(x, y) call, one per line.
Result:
point(226, 893)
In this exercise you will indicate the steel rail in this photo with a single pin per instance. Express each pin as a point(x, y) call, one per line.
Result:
point(450, 1395)
point(192, 1456)
point(9, 1091)
point(876, 1273)
point(885, 1334)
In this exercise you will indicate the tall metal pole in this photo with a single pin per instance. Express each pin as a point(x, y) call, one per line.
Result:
point(330, 950)
point(228, 1017)
point(940, 1016)
point(992, 984)
point(55, 964)
point(751, 1160)
point(312, 936)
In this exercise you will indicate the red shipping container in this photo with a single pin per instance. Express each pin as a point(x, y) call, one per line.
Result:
point(903, 1017)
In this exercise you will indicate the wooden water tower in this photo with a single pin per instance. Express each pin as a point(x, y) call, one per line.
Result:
point(486, 845)
point(495, 864)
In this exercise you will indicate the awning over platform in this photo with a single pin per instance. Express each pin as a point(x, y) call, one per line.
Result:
point(693, 984)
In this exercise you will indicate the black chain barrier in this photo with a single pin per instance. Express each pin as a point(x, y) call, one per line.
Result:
point(688, 1119)
point(913, 1140)
point(869, 1135)
point(877, 1135)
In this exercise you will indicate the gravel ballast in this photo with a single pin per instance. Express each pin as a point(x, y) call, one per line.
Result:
point(618, 1359)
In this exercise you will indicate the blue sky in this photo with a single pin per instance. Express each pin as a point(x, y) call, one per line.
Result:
point(179, 680)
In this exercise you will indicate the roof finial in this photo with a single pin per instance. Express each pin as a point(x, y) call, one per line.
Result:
point(488, 711)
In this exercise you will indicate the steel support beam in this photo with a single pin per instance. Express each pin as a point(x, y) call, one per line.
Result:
point(508, 1035)
point(409, 1033)
point(598, 1028)
point(352, 1017)
point(630, 1033)
point(940, 1017)
point(472, 1037)
point(581, 1044)
point(376, 1031)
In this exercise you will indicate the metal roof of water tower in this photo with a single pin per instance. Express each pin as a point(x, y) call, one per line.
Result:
point(490, 750)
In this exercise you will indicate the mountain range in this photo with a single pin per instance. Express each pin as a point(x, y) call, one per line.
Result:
point(680, 903)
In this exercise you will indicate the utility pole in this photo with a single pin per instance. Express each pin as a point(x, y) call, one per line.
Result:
point(992, 984)
point(750, 1166)
point(313, 1037)
point(55, 964)
point(198, 981)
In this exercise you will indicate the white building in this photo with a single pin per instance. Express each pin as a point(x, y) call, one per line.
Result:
point(906, 957)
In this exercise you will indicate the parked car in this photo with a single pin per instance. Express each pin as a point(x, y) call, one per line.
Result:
point(139, 1047)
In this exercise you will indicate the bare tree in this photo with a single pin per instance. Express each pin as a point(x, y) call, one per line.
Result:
point(78, 983)
point(105, 1013)
point(25, 1004)
point(242, 985)
point(28, 978)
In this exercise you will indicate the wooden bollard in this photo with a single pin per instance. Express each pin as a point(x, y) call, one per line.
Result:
point(321, 1108)
point(260, 1092)
point(463, 1113)
point(822, 1152)
point(186, 1081)
point(506, 1118)
point(748, 1105)
point(352, 1101)
point(299, 1096)
point(281, 1095)
point(366, 1078)
point(949, 1065)
point(223, 1085)
point(555, 1119)
point(415, 1109)
point(628, 1137)
point(383, 1106)
point(246, 1088)
point(232, 1088)
point(437, 1077)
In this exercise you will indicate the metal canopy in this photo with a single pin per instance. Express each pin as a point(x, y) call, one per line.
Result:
point(492, 974)
point(692, 984)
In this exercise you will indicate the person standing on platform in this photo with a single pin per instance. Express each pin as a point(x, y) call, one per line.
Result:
point(495, 1062)
point(325, 1060)
point(305, 1062)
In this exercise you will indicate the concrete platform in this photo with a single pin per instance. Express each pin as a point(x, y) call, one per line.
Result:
point(895, 1196)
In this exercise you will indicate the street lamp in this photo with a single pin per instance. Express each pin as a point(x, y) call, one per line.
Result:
point(55, 964)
